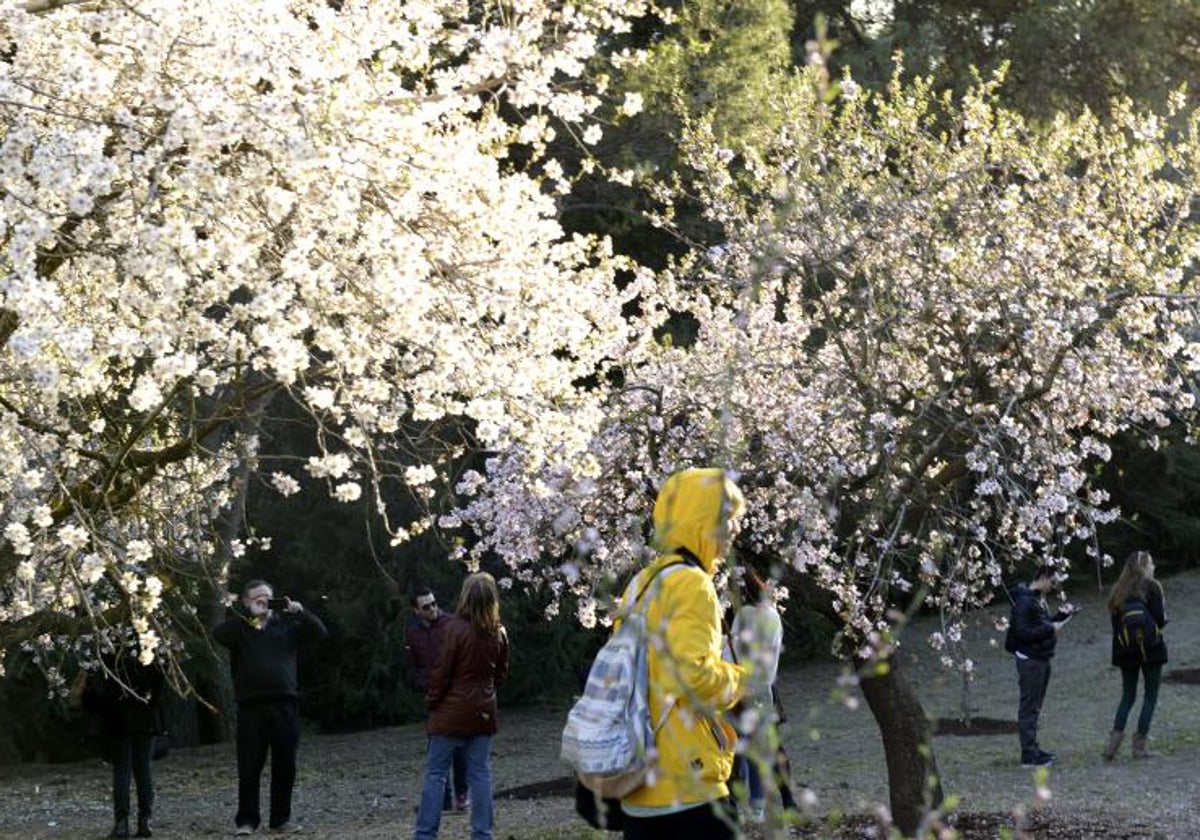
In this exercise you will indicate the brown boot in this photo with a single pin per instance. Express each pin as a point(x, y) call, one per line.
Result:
point(1114, 743)
point(1139, 746)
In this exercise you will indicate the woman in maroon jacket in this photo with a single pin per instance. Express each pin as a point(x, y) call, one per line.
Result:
point(462, 705)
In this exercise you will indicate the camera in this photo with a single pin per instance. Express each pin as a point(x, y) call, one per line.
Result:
point(277, 603)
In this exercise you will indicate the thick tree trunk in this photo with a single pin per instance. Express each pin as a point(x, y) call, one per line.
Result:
point(914, 785)
point(214, 683)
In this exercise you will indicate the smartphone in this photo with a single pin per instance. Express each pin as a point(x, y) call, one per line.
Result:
point(277, 603)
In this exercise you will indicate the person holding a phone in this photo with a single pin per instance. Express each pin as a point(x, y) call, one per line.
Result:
point(1032, 637)
point(263, 643)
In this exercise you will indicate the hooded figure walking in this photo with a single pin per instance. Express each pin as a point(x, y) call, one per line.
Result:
point(696, 519)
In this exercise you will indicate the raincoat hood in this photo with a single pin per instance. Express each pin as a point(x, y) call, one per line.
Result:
point(693, 509)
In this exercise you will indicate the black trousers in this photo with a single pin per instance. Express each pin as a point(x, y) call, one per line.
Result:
point(1033, 675)
point(131, 757)
point(262, 727)
point(712, 821)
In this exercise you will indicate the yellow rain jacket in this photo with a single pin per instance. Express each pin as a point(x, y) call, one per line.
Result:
point(689, 682)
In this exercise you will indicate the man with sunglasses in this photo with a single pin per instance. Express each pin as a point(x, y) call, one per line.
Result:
point(422, 638)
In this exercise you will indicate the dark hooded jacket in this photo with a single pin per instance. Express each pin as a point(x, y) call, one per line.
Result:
point(1032, 625)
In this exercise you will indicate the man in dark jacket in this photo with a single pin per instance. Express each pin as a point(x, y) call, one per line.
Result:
point(262, 656)
point(423, 642)
point(1032, 637)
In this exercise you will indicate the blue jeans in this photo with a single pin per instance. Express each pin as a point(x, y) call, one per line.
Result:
point(747, 771)
point(477, 753)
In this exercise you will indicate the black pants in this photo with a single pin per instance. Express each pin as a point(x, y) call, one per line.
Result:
point(263, 726)
point(713, 821)
point(131, 757)
point(1032, 676)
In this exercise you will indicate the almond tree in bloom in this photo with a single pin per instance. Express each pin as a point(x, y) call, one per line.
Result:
point(206, 205)
point(925, 320)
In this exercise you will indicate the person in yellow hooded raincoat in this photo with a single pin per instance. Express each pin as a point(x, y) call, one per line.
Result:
point(696, 518)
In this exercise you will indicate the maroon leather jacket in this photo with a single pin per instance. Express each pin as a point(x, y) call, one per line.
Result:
point(462, 690)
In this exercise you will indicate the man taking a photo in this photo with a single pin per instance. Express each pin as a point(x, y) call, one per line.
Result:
point(263, 642)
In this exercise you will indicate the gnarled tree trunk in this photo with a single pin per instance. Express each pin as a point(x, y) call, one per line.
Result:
point(914, 784)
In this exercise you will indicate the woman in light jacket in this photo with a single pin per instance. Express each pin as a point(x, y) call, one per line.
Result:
point(756, 640)
point(462, 705)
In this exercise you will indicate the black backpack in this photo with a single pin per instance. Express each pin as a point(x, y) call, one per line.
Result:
point(1136, 628)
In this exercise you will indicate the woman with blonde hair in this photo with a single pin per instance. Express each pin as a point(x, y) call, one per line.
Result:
point(1138, 611)
point(462, 705)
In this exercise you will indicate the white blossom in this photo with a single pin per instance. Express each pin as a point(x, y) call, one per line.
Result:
point(284, 484)
point(347, 492)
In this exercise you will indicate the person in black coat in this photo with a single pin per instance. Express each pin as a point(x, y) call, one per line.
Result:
point(1033, 635)
point(126, 696)
point(263, 646)
point(1138, 610)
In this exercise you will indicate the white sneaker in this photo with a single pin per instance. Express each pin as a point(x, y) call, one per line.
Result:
point(758, 812)
point(244, 829)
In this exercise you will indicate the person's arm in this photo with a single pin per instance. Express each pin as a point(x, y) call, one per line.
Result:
point(416, 676)
point(1032, 627)
point(772, 643)
point(757, 641)
point(444, 668)
point(156, 684)
point(311, 627)
point(93, 696)
point(502, 662)
point(227, 631)
point(1156, 602)
point(693, 643)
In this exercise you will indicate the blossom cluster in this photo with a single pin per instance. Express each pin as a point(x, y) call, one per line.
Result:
point(208, 206)
point(924, 321)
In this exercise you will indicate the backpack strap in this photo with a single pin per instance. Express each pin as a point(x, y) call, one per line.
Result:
point(629, 606)
point(689, 559)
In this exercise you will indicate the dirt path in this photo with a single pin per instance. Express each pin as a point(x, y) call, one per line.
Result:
point(365, 784)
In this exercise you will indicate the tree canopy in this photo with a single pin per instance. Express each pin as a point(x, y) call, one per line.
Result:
point(205, 206)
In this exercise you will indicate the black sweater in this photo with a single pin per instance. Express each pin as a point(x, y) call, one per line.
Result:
point(263, 661)
point(1032, 625)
